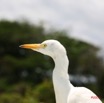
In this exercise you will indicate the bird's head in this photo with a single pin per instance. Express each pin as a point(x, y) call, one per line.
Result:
point(51, 48)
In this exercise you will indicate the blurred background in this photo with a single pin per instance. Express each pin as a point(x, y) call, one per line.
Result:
point(25, 75)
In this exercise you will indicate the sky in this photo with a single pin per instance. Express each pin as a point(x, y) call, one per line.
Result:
point(83, 19)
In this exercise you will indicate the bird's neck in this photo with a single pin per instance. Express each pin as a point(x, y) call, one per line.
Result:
point(61, 65)
point(62, 85)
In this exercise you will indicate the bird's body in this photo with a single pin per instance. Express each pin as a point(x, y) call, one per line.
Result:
point(65, 92)
point(82, 95)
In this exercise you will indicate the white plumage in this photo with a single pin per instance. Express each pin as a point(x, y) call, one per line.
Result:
point(65, 92)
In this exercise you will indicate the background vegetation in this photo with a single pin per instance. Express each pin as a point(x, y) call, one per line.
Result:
point(25, 76)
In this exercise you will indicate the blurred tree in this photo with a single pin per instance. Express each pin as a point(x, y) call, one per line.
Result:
point(16, 63)
point(44, 92)
point(23, 66)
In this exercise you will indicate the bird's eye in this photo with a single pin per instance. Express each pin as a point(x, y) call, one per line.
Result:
point(44, 45)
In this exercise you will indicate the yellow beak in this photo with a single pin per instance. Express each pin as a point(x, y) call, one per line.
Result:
point(31, 46)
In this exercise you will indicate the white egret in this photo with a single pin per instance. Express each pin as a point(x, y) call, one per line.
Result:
point(65, 92)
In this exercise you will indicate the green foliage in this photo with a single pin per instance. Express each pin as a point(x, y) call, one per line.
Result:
point(22, 93)
point(23, 72)
point(16, 98)
point(44, 92)
point(10, 98)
